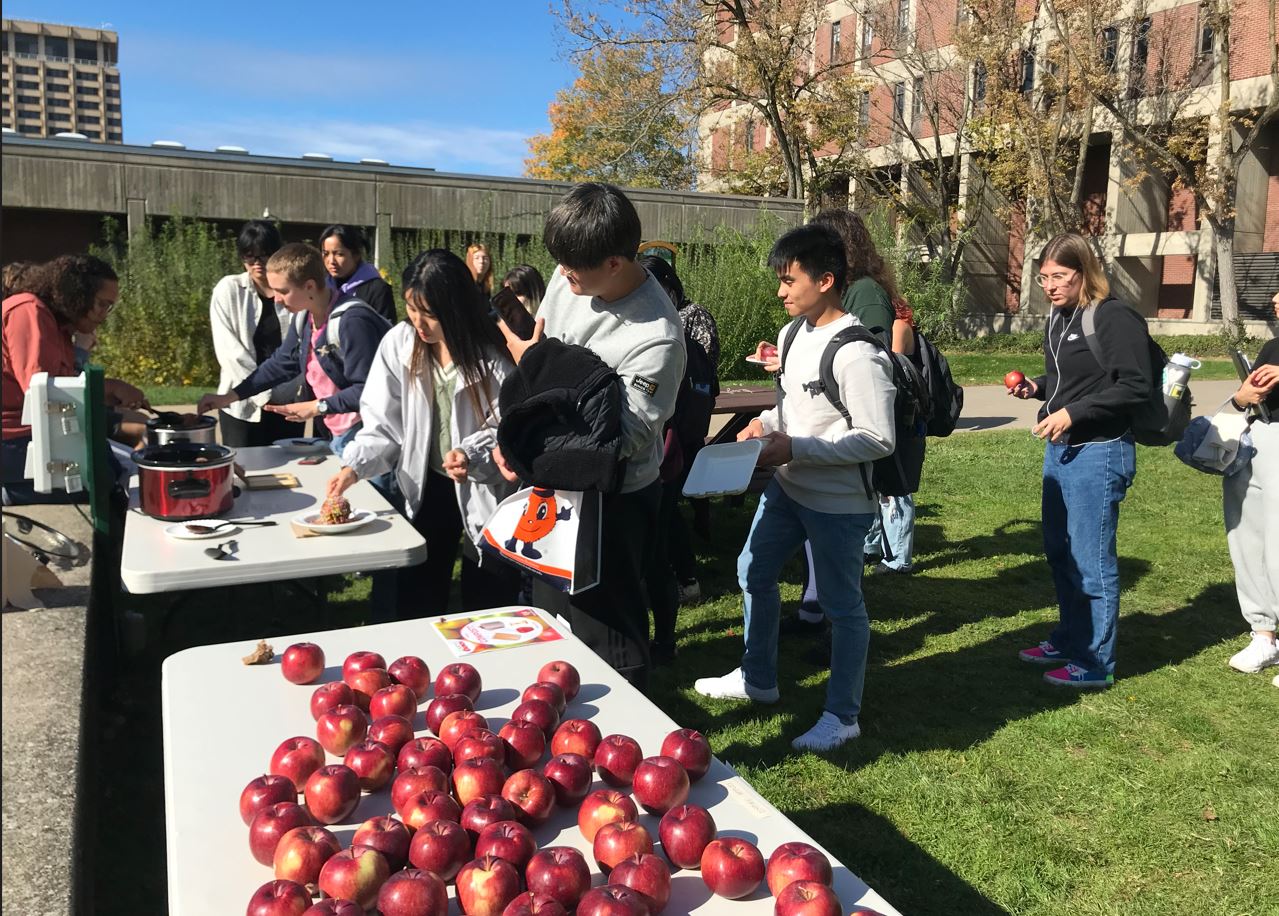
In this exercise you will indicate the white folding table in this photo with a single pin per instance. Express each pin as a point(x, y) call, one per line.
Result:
point(152, 561)
point(223, 719)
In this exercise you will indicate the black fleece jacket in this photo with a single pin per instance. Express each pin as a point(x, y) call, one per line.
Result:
point(1098, 398)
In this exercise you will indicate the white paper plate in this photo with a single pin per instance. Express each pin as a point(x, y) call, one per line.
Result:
point(181, 532)
point(359, 518)
point(303, 445)
point(723, 470)
point(755, 361)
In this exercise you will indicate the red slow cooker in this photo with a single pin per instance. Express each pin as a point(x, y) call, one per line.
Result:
point(185, 480)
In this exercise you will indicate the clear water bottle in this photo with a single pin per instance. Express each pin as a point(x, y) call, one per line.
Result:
point(1177, 374)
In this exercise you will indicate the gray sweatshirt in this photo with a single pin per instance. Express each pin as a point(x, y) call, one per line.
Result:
point(641, 338)
point(822, 474)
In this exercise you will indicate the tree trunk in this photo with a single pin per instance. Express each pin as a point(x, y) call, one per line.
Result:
point(1224, 247)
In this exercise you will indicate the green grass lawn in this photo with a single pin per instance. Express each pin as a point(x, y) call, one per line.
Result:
point(172, 395)
point(975, 788)
point(990, 368)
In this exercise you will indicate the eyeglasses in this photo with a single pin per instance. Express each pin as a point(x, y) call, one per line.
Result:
point(103, 305)
point(1056, 281)
point(249, 259)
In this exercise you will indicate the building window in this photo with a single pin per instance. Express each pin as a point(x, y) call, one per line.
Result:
point(26, 45)
point(29, 84)
point(835, 29)
point(55, 47)
point(1027, 72)
point(1110, 47)
point(109, 53)
point(917, 100)
point(61, 117)
point(962, 14)
point(57, 86)
point(82, 89)
point(903, 17)
point(1207, 35)
point(86, 52)
point(899, 101)
point(28, 71)
point(28, 100)
point(91, 133)
point(58, 103)
point(113, 106)
point(55, 73)
point(1140, 49)
point(88, 104)
point(748, 135)
point(863, 111)
point(88, 119)
point(868, 36)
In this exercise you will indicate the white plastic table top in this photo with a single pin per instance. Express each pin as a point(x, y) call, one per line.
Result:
point(223, 719)
point(154, 562)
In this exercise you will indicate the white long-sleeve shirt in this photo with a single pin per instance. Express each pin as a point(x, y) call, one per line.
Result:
point(823, 473)
point(234, 312)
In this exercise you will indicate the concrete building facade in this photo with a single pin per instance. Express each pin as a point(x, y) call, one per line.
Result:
point(60, 79)
point(1160, 251)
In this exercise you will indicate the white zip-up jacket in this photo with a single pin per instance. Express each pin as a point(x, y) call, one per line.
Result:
point(234, 312)
point(397, 413)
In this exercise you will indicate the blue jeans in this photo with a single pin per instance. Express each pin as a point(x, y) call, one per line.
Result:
point(893, 532)
point(1083, 487)
point(780, 527)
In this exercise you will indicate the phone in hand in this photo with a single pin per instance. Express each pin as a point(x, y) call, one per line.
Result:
point(314, 459)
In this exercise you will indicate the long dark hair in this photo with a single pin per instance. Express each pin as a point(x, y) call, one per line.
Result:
point(525, 280)
point(68, 285)
point(859, 249)
point(441, 281)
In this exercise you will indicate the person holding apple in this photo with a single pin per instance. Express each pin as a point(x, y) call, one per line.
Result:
point(1251, 502)
point(1089, 457)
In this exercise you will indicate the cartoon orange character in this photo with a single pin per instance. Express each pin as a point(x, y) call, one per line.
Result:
point(537, 522)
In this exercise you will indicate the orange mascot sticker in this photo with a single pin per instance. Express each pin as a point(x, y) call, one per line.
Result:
point(538, 520)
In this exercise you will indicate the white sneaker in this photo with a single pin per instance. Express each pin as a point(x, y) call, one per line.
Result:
point(1258, 654)
point(733, 686)
point(828, 734)
point(1276, 680)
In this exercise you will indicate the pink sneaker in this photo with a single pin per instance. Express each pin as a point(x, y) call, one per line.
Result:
point(1079, 678)
point(1043, 654)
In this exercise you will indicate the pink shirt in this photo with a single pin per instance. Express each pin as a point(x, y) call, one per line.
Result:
point(323, 387)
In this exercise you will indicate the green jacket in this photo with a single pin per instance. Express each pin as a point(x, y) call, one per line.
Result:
point(867, 301)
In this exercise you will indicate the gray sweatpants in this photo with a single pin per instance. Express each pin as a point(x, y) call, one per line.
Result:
point(1251, 503)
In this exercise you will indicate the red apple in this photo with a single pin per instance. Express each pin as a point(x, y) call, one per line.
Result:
point(485, 810)
point(479, 743)
point(532, 795)
point(297, 758)
point(414, 780)
point(331, 793)
point(546, 692)
point(486, 885)
point(372, 762)
point(270, 824)
point(618, 841)
point(559, 872)
point(264, 792)
point(647, 874)
point(328, 697)
point(1013, 379)
point(796, 862)
point(340, 729)
point(356, 874)
point(616, 759)
point(302, 663)
point(395, 700)
point(424, 807)
point(604, 806)
point(425, 752)
point(689, 749)
point(660, 784)
point(530, 904)
point(767, 351)
point(524, 742)
point(442, 706)
point(413, 892)
point(302, 852)
point(865, 911)
point(279, 898)
point(393, 731)
point(563, 674)
point(388, 836)
point(732, 867)
point(576, 736)
point(477, 776)
point(361, 661)
point(540, 713)
point(457, 724)
point(458, 677)
point(807, 898)
point(331, 906)
point(685, 832)
point(509, 840)
point(413, 673)
point(441, 848)
point(365, 683)
point(570, 775)
point(613, 900)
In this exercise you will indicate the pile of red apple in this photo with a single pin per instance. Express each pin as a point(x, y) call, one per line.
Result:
point(467, 802)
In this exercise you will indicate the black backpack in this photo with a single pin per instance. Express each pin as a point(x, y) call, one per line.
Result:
point(946, 397)
point(561, 424)
point(698, 390)
point(897, 474)
point(1161, 420)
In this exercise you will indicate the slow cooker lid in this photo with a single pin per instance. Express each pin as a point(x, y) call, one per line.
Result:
point(183, 455)
point(181, 423)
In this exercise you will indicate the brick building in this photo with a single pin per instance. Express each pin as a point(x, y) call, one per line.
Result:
point(1160, 251)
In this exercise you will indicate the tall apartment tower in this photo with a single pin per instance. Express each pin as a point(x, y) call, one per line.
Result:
point(60, 78)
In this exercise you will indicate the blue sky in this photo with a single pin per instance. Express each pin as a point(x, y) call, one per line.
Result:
point(456, 86)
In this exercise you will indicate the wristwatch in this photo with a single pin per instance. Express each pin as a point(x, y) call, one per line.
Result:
point(322, 406)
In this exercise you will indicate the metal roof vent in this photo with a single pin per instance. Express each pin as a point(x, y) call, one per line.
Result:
point(374, 162)
point(168, 144)
point(240, 150)
point(69, 135)
point(319, 157)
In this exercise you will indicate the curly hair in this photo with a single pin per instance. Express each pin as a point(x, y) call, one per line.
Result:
point(17, 277)
point(68, 285)
point(859, 249)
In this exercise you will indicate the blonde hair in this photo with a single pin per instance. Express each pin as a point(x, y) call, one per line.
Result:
point(299, 262)
point(1072, 250)
point(484, 280)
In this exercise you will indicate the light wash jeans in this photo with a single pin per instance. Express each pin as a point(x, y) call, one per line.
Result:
point(780, 527)
point(1083, 487)
point(893, 528)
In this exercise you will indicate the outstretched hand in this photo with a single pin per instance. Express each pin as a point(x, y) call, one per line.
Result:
point(515, 344)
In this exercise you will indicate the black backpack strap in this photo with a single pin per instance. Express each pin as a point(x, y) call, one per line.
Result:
point(791, 331)
point(826, 383)
point(1089, 322)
